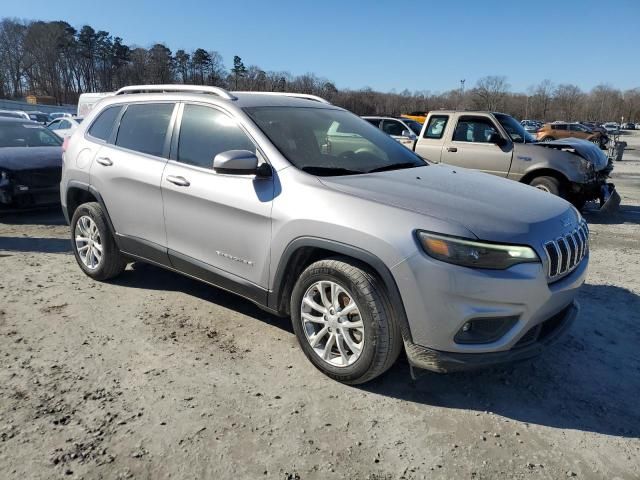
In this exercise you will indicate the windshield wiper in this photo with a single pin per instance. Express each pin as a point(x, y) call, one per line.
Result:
point(330, 171)
point(395, 166)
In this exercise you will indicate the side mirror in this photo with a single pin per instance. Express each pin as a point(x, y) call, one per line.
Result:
point(236, 162)
point(498, 139)
point(408, 134)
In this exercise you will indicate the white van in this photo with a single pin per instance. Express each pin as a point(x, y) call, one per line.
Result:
point(88, 100)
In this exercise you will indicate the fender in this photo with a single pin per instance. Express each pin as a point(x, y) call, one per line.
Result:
point(89, 188)
point(280, 286)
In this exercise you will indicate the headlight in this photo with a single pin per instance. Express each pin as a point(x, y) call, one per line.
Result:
point(468, 253)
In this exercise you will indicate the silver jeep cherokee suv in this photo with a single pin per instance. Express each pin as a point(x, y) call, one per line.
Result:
point(313, 213)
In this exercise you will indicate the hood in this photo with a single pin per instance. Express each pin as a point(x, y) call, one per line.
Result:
point(29, 158)
point(583, 148)
point(492, 208)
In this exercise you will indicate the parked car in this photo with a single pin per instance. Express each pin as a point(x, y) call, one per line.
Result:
point(55, 115)
point(40, 117)
point(530, 126)
point(595, 127)
point(367, 247)
point(30, 164)
point(403, 130)
point(64, 126)
point(612, 128)
point(496, 143)
point(628, 126)
point(14, 114)
point(557, 131)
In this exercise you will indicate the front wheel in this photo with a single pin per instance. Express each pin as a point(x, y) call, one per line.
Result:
point(93, 245)
point(547, 139)
point(343, 321)
point(547, 184)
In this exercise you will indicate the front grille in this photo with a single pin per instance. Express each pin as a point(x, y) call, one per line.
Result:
point(565, 253)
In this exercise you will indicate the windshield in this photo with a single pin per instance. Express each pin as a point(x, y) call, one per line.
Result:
point(517, 133)
point(415, 127)
point(27, 135)
point(325, 142)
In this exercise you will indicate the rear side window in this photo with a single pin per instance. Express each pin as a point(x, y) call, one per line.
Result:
point(374, 121)
point(103, 125)
point(143, 127)
point(435, 127)
point(206, 132)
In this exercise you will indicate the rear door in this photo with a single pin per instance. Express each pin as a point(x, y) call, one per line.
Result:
point(218, 225)
point(127, 172)
point(473, 145)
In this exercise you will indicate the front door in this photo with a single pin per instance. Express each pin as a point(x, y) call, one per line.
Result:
point(394, 128)
point(218, 225)
point(474, 146)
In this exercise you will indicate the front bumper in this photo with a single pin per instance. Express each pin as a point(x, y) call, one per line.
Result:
point(26, 196)
point(440, 299)
point(530, 345)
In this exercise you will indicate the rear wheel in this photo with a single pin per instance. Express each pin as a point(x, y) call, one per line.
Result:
point(547, 139)
point(547, 184)
point(93, 245)
point(343, 321)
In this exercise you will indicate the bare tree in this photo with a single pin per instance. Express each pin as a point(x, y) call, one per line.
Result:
point(490, 92)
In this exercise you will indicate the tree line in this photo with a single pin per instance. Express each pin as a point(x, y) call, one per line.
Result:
point(57, 60)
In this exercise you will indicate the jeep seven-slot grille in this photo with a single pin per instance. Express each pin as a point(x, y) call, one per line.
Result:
point(565, 253)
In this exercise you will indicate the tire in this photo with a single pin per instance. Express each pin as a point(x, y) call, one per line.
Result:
point(547, 139)
point(380, 338)
point(547, 184)
point(93, 226)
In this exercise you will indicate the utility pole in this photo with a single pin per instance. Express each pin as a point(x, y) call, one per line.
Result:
point(462, 91)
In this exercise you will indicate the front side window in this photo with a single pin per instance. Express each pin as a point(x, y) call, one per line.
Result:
point(103, 125)
point(143, 127)
point(304, 135)
point(475, 129)
point(393, 127)
point(436, 126)
point(206, 132)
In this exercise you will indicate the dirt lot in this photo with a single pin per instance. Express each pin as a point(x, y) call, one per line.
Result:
point(157, 376)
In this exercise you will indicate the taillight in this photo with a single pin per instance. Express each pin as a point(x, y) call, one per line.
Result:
point(65, 144)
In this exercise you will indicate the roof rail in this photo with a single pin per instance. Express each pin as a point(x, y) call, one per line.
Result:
point(221, 92)
point(305, 96)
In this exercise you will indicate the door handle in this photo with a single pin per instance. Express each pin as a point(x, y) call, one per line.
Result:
point(180, 181)
point(106, 161)
point(452, 149)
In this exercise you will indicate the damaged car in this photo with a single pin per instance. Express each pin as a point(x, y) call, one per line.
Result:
point(574, 169)
point(30, 164)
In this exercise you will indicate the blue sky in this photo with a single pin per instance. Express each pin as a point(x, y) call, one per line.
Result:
point(421, 45)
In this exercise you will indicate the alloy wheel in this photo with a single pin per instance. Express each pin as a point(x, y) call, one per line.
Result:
point(88, 242)
point(332, 323)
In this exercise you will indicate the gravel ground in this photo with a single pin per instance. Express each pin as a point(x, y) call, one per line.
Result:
point(157, 376)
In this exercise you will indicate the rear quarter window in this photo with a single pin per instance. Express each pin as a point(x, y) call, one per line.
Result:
point(436, 126)
point(103, 125)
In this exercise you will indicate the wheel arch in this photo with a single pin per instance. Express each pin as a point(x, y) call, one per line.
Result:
point(79, 193)
point(303, 251)
point(545, 172)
